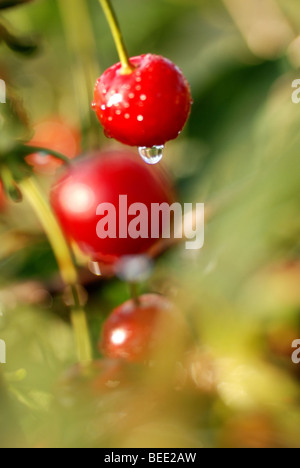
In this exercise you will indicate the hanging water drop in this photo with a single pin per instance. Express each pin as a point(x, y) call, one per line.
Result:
point(134, 268)
point(151, 155)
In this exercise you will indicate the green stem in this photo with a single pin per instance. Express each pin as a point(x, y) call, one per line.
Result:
point(112, 20)
point(134, 292)
point(65, 262)
point(81, 42)
point(26, 150)
point(10, 186)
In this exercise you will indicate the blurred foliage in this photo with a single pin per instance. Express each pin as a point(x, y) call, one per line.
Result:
point(237, 385)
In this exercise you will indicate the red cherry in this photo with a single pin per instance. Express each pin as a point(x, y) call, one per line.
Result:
point(137, 328)
point(55, 135)
point(102, 178)
point(2, 197)
point(146, 108)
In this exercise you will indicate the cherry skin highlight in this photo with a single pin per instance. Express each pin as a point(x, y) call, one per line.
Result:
point(145, 108)
point(136, 328)
point(102, 178)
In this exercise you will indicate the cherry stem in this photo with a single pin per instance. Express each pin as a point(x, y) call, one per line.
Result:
point(134, 292)
point(112, 20)
point(10, 185)
point(65, 262)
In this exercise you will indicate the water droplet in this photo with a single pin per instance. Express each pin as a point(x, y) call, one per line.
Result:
point(134, 268)
point(127, 116)
point(94, 105)
point(103, 107)
point(151, 155)
point(143, 97)
point(140, 118)
point(131, 95)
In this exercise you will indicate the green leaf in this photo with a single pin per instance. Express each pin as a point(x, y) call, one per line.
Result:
point(23, 45)
point(12, 3)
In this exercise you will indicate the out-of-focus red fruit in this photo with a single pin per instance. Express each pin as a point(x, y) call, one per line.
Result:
point(137, 330)
point(145, 108)
point(54, 135)
point(2, 197)
point(102, 179)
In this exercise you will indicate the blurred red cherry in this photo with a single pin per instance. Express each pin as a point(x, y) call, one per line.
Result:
point(56, 135)
point(136, 330)
point(101, 179)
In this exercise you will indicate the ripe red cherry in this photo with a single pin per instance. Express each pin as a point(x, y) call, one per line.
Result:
point(99, 179)
point(146, 108)
point(56, 135)
point(136, 329)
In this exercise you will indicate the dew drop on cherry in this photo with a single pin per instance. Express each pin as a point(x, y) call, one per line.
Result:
point(151, 155)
